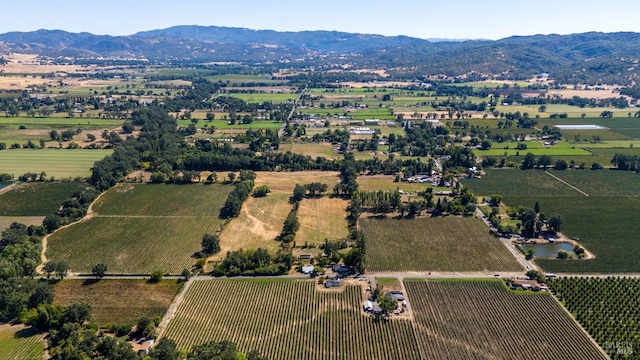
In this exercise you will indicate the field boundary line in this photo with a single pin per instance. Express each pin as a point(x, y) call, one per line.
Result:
point(566, 310)
point(566, 183)
point(88, 215)
point(97, 215)
point(171, 311)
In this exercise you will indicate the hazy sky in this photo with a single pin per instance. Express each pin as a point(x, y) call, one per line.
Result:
point(488, 19)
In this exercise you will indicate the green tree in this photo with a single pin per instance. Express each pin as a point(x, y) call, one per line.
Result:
point(261, 191)
point(544, 161)
point(530, 254)
point(61, 269)
point(555, 223)
point(99, 270)
point(563, 254)
point(528, 162)
point(156, 276)
point(387, 304)
point(210, 244)
point(165, 349)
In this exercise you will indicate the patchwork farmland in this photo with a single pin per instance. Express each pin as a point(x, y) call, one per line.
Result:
point(596, 220)
point(291, 319)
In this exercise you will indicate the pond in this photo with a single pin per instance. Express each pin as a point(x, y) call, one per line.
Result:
point(4, 184)
point(547, 250)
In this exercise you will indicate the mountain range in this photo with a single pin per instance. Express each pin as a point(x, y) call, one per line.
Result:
point(587, 57)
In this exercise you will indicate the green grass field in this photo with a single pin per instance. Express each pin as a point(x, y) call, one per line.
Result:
point(496, 151)
point(224, 124)
point(36, 199)
point(20, 343)
point(59, 163)
point(56, 123)
point(115, 301)
point(434, 244)
point(142, 228)
point(262, 97)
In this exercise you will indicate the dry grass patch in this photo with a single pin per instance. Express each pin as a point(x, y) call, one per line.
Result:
point(258, 224)
point(385, 182)
point(116, 301)
point(310, 149)
point(284, 182)
point(5, 221)
point(320, 219)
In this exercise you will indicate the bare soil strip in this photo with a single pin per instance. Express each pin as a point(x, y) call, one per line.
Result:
point(566, 183)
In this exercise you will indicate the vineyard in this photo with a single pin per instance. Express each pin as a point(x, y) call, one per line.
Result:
point(609, 309)
point(515, 182)
point(288, 320)
point(20, 343)
point(36, 199)
point(606, 225)
point(162, 200)
point(483, 320)
point(131, 245)
point(116, 301)
point(141, 228)
point(434, 244)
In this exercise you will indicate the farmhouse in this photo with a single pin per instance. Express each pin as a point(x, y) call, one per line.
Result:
point(339, 268)
point(307, 269)
point(304, 257)
point(332, 283)
point(395, 295)
point(528, 285)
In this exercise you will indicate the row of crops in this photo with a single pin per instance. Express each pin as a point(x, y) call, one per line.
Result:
point(291, 319)
point(434, 244)
point(610, 312)
point(17, 343)
point(288, 320)
point(481, 319)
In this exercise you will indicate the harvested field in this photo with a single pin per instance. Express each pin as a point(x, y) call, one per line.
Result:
point(310, 149)
point(115, 301)
point(320, 219)
point(6, 221)
point(259, 223)
point(434, 244)
point(448, 328)
point(284, 182)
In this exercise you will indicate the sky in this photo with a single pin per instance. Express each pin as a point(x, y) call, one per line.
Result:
point(462, 19)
